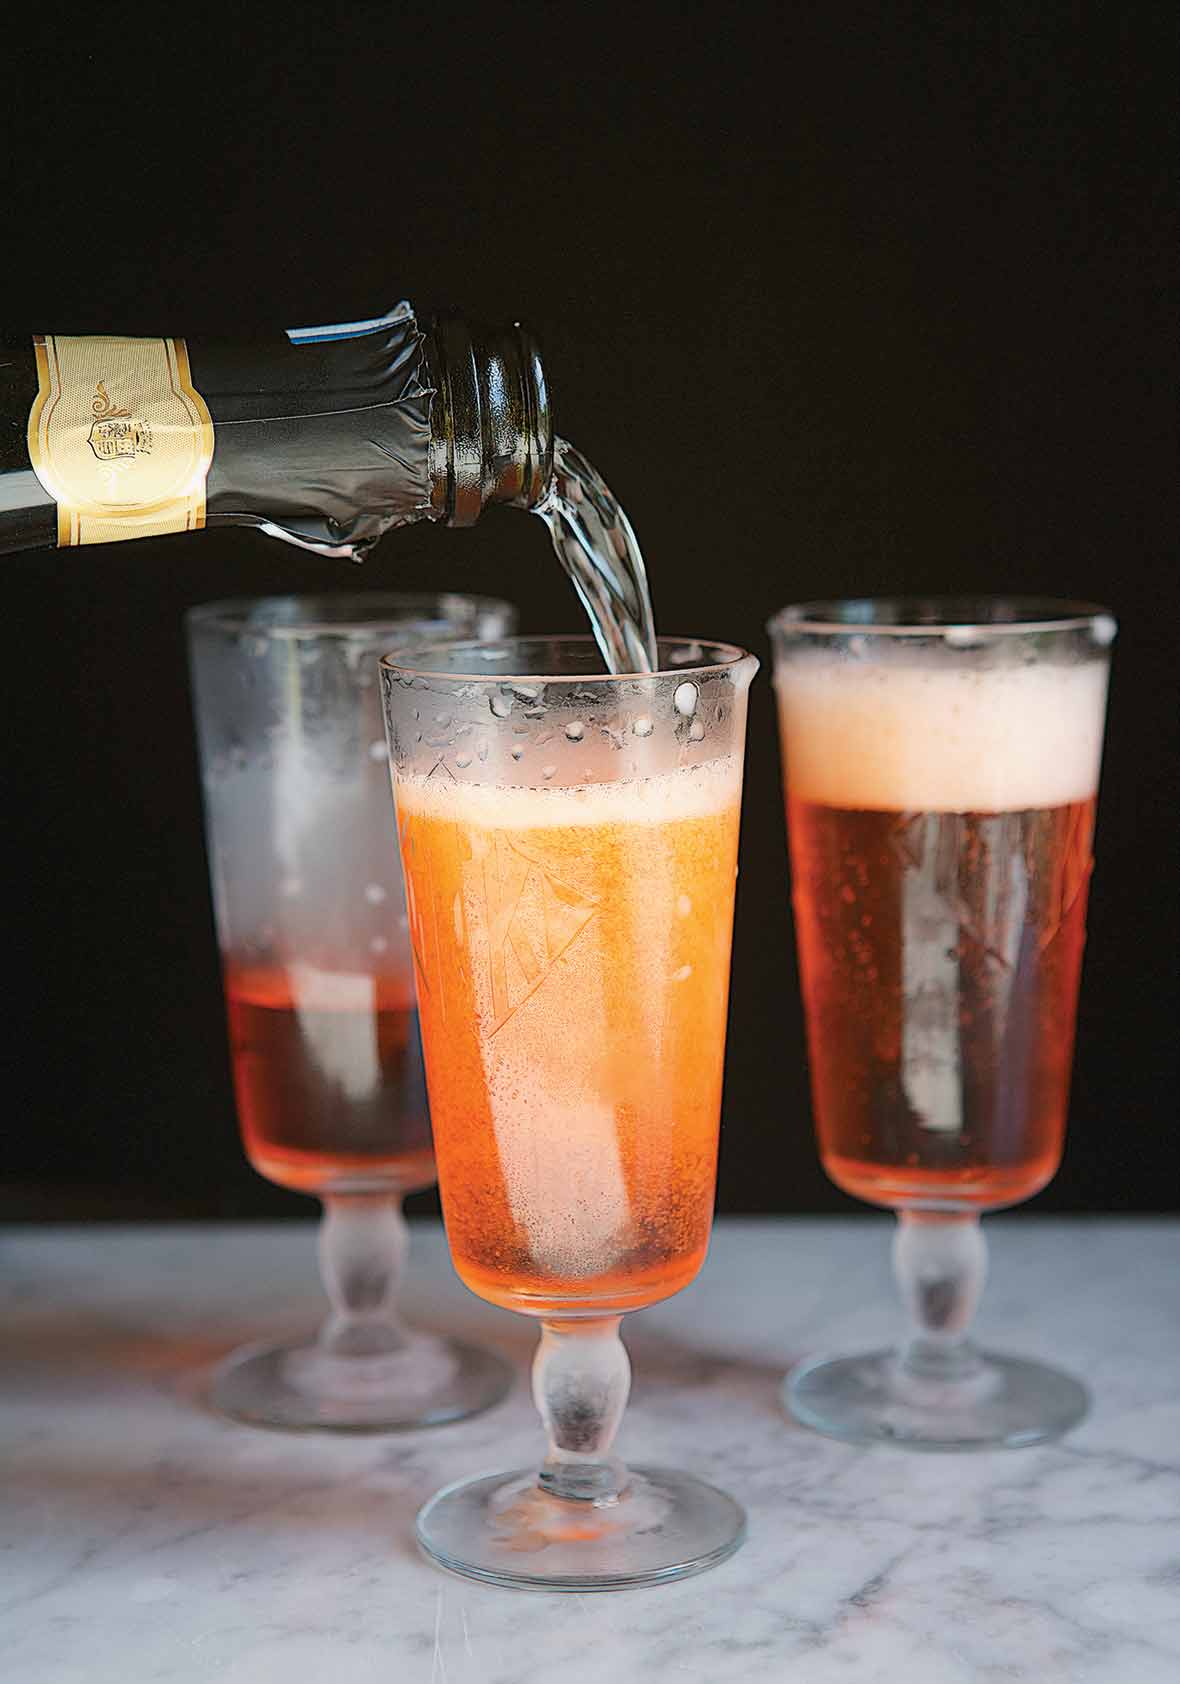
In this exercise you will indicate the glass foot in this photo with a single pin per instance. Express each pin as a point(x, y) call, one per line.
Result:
point(428, 1382)
point(871, 1399)
point(504, 1529)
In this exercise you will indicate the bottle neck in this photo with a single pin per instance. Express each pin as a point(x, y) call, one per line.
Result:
point(326, 442)
point(491, 421)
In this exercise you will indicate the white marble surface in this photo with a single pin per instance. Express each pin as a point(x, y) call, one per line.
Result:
point(145, 1540)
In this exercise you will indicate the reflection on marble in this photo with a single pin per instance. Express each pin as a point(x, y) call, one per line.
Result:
point(143, 1539)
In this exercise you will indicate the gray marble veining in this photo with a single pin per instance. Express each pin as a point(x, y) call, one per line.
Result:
point(142, 1539)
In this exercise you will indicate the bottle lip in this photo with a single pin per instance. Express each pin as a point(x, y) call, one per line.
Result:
point(538, 660)
point(951, 617)
point(352, 614)
point(491, 418)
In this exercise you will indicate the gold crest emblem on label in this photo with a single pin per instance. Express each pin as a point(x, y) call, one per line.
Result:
point(119, 437)
point(116, 433)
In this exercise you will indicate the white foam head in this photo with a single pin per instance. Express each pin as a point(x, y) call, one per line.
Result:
point(941, 738)
point(691, 792)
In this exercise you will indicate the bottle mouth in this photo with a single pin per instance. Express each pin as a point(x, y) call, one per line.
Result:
point(492, 424)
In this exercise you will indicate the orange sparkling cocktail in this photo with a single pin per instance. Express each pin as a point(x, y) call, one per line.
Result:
point(572, 948)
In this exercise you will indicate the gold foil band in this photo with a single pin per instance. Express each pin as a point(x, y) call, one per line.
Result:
point(119, 437)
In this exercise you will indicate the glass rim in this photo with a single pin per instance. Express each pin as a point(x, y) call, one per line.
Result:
point(391, 609)
point(943, 614)
point(733, 655)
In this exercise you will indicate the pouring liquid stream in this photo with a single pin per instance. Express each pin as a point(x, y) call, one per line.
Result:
point(598, 549)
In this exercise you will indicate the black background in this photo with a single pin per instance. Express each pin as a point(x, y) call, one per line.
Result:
point(842, 300)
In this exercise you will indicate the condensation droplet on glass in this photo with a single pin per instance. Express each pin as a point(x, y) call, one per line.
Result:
point(442, 719)
point(417, 713)
point(575, 730)
point(462, 761)
point(500, 704)
point(696, 731)
point(1103, 630)
point(683, 906)
point(378, 944)
point(377, 750)
point(374, 894)
point(481, 748)
point(548, 771)
point(518, 753)
point(643, 726)
point(685, 699)
point(683, 974)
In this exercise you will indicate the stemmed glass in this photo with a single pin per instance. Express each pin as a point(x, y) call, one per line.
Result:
point(569, 841)
point(322, 1022)
point(941, 768)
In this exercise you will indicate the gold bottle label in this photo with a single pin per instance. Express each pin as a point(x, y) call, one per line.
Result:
point(119, 437)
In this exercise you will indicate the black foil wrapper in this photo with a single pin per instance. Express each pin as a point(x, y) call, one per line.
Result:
point(321, 436)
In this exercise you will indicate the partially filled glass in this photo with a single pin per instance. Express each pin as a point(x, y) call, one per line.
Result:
point(323, 1023)
point(941, 769)
point(569, 841)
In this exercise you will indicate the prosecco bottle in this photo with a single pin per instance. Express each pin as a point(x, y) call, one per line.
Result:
point(326, 437)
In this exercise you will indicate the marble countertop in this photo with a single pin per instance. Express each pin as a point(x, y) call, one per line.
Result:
point(143, 1539)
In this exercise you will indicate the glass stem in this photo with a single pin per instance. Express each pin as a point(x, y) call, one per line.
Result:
point(940, 1263)
point(363, 1246)
point(581, 1380)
